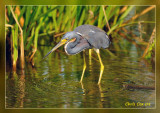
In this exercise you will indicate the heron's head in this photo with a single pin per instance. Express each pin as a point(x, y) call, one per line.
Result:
point(69, 36)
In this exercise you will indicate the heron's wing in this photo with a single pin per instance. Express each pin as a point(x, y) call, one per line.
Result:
point(94, 35)
point(98, 40)
point(85, 29)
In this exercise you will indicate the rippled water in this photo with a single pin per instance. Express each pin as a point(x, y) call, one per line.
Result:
point(54, 82)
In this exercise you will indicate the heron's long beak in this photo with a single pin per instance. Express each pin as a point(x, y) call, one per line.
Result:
point(56, 47)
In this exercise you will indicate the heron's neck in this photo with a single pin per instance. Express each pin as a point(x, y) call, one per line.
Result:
point(70, 45)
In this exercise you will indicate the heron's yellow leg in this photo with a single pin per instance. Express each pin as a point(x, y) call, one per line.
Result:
point(90, 53)
point(102, 66)
point(84, 66)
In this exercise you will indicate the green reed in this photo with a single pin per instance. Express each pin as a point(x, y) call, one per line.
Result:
point(37, 21)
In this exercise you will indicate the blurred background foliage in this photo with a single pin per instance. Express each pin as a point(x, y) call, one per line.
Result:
point(30, 26)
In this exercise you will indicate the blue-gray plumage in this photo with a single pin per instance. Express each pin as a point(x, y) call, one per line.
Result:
point(77, 46)
point(84, 37)
point(94, 35)
point(87, 37)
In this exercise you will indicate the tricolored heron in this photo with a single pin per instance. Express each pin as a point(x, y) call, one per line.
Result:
point(84, 37)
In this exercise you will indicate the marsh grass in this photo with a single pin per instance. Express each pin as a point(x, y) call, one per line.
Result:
point(54, 21)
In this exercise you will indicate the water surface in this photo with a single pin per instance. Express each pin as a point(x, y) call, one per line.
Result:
point(54, 82)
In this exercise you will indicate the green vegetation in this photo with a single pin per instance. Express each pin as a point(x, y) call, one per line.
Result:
point(32, 22)
point(54, 82)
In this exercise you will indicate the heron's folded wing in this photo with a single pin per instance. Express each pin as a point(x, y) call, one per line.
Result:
point(98, 40)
